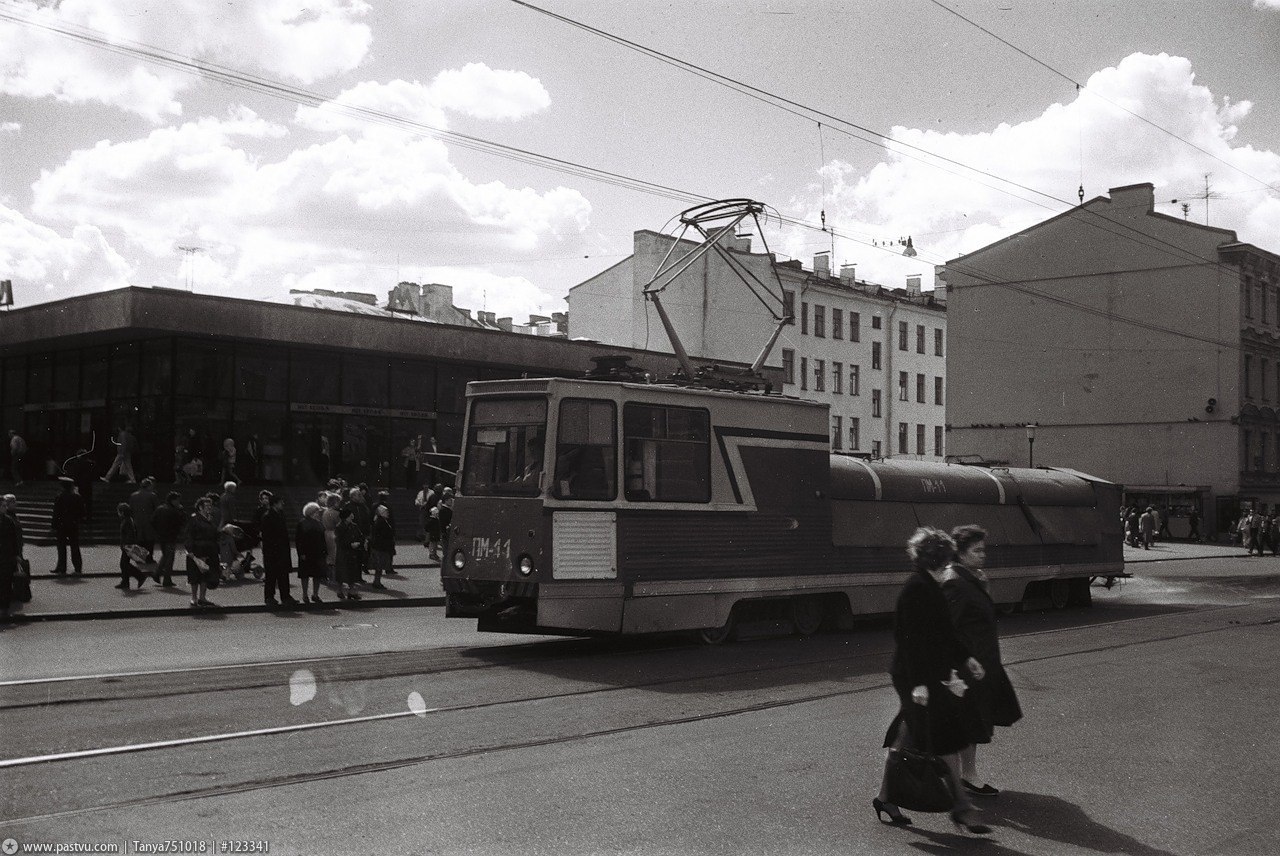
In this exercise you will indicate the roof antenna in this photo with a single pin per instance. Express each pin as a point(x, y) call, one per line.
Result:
point(1080, 145)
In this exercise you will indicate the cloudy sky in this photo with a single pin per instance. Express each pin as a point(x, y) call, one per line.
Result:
point(351, 145)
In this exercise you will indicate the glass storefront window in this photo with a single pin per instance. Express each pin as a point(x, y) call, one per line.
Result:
point(413, 385)
point(94, 369)
point(199, 427)
point(313, 377)
point(451, 394)
point(364, 381)
point(261, 375)
point(365, 450)
point(157, 367)
point(15, 380)
point(314, 450)
point(66, 376)
point(39, 378)
point(203, 369)
point(414, 455)
point(259, 434)
point(124, 370)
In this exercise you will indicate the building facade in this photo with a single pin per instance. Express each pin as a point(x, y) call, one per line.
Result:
point(1143, 347)
point(304, 393)
point(877, 356)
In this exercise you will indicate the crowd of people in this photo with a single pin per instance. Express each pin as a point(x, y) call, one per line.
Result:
point(946, 669)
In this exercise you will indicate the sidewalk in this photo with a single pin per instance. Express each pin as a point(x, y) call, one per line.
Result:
point(1164, 551)
point(92, 594)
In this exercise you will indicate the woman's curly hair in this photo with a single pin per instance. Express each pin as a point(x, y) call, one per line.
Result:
point(930, 548)
point(966, 536)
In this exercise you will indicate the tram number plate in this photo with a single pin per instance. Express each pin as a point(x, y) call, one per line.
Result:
point(491, 548)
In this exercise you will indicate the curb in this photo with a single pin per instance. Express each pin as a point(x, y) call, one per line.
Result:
point(239, 609)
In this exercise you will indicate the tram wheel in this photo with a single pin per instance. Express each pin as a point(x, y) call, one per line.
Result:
point(807, 613)
point(1059, 593)
point(718, 635)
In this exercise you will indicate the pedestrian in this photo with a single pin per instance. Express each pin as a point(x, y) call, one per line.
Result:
point(382, 544)
point(930, 669)
point(227, 458)
point(277, 562)
point(1164, 532)
point(142, 507)
point(17, 452)
point(79, 468)
point(130, 549)
point(444, 516)
point(11, 549)
point(1133, 527)
point(410, 453)
point(330, 519)
point(973, 613)
point(1255, 531)
point(226, 541)
point(167, 523)
point(123, 463)
point(362, 514)
point(1193, 524)
point(431, 520)
point(68, 511)
point(350, 542)
point(201, 540)
point(309, 541)
point(1147, 527)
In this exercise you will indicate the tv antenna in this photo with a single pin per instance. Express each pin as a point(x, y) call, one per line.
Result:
point(190, 264)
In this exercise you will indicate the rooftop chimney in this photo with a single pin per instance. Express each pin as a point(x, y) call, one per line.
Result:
point(847, 274)
point(1140, 197)
point(822, 263)
point(913, 285)
point(742, 242)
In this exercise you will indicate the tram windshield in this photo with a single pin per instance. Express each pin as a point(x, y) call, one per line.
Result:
point(505, 447)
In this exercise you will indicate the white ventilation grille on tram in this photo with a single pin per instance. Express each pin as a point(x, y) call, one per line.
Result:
point(584, 545)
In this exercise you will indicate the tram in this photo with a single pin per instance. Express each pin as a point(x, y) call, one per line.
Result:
point(615, 506)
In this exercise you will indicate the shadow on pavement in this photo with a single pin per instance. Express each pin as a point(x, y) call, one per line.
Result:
point(1040, 816)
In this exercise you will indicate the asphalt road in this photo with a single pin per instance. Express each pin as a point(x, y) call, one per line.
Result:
point(1149, 730)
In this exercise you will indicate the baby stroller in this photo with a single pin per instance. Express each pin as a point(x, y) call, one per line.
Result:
point(238, 547)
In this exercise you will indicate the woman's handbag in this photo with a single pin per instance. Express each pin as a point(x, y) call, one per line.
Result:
point(918, 781)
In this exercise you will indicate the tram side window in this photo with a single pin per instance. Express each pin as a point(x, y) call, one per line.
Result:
point(668, 453)
point(504, 451)
point(586, 450)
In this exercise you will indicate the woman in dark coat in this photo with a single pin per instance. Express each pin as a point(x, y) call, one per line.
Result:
point(350, 542)
point(931, 671)
point(128, 538)
point(309, 540)
point(277, 560)
point(201, 542)
point(973, 613)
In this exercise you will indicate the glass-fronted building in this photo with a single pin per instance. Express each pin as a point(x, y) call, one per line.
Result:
point(304, 394)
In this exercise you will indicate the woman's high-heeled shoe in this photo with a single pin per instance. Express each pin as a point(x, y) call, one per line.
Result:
point(896, 817)
point(958, 818)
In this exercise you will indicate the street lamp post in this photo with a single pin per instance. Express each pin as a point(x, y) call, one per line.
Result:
point(1031, 444)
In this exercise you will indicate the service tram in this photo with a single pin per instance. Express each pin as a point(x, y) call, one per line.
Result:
point(619, 507)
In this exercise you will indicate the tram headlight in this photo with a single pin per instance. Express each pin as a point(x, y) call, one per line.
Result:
point(459, 560)
point(525, 566)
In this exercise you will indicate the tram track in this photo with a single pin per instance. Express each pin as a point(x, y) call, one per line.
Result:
point(1205, 621)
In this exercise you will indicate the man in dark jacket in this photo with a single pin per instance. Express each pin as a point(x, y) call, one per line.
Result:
point(10, 551)
point(167, 523)
point(67, 512)
point(142, 507)
point(277, 557)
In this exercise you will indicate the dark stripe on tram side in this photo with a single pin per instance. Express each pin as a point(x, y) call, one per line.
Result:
point(722, 431)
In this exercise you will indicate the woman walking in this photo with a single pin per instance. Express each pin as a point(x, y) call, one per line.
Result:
point(329, 519)
point(973, 613)
point(929, 660)
point(201, 543)
point(309, 541)
point(128, 539)
point(382, 545)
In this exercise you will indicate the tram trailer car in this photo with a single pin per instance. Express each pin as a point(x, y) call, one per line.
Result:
point(606, 507)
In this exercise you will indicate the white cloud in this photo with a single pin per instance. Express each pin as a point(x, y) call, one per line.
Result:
point(10, 127)
point(482, 92)
point(1266, 4)
point(304, 44)
point(950, 210)
point(46, 265)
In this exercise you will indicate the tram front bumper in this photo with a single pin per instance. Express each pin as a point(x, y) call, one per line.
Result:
point(468, 598)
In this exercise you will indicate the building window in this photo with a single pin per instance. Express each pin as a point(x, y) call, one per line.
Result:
point(855, 326)
point(937, 440)
point(837, 433)
point(837, 378)
point(1248, 297)
point(1245, 449)
point(837, 323)
point(1262, 289)
point(820, 321)
point(902, 335)
point(1262, 451)
point(804, 372)
point(920, 388)
point(937, 341)
point(919, 338)
point(902, 386)
point(937, 390)
point(804, 318)
point(789, 305)
point(919, 439)
point(854, 381)
point(876, 448)
point(819, 376)
point(902, 438)
point(788, 365)
point(1262, 378)
point(875, 403)
point(1248, 373)
point(855, 430)
point(875, 322)
point(875, 355)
